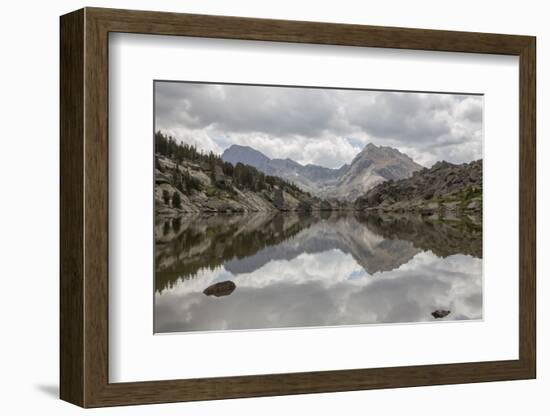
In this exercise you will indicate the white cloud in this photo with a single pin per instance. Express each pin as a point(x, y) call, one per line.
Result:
point(321, 126)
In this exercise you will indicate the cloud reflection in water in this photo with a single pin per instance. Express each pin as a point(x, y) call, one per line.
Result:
point(319, 276)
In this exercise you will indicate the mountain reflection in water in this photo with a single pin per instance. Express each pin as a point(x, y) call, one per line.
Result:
point(303, 270)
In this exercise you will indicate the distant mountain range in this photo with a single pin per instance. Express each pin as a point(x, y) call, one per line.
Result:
point(373, 165)
point(243, 179)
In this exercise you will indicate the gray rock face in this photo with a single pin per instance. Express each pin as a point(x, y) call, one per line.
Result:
point(217, 192)
point(373, 165)
point(370, 167)
point(443, 187)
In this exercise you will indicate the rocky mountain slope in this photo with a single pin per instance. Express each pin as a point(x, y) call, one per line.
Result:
point(445, 188)
point(187, 181)
point(371, 166)
point(216, 192)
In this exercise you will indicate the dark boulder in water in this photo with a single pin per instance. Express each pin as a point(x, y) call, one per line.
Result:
point(220, 289)
point(440, 313)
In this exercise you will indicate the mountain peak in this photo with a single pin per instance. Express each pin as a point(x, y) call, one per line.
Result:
point(239, 146)
point(373, 147)
point(371, 166)
point(383, 152)
point(369, 151)
point(244, 154)
point(235, 147)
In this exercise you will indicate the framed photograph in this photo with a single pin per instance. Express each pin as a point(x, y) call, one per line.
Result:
point(255, 207)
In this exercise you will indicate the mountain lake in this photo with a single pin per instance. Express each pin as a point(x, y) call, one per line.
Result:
point(265, 270)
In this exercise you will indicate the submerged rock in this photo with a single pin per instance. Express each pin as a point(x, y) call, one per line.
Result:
point(220, 289)
point(440, 313)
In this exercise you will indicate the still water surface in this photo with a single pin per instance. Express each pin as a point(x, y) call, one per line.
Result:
point(289, 270)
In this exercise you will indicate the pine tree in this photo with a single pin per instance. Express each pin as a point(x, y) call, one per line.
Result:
point(166, 197)
point(176, 200)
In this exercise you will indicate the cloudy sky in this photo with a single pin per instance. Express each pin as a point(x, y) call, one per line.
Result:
point(327, 127)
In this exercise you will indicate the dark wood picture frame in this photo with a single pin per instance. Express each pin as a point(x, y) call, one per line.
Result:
point(84, 207)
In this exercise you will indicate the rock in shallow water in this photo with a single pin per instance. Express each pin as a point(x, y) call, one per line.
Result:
point(440, 313)
point(220, 289)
